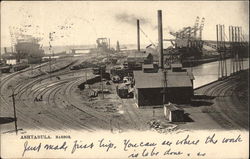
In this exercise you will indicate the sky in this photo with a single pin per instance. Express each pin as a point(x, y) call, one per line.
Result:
point(82, 22)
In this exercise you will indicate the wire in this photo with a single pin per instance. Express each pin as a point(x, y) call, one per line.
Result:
point(147, 37)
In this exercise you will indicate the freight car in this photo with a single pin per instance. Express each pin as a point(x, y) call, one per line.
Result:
point(19, 67)
point(99, 70)
point(83, 65)
point(124, 91)
point(5, 69)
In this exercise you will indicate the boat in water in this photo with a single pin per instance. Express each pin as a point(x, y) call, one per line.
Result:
point(28, 48)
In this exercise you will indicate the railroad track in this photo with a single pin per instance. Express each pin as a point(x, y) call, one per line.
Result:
point(20, 88)
point(230, 113)
point(102, 120)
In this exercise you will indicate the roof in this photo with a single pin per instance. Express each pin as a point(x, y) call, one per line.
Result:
point(147, 80)
point(191, 75)
point(176, 65)
point(148, 66)
point(156, 80)
point(138, 55)
point(122, 86)
point(173, 107)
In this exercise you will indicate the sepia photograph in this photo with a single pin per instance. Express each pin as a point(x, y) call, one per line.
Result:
point(124, 76)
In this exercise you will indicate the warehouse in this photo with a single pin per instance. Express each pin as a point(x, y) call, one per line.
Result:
point(149, 87)
point(136, 59)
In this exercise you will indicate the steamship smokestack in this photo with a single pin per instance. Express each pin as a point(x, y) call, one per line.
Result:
point(160, 40)
point(138, 34)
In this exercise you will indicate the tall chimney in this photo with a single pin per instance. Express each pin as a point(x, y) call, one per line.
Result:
point(109, 43)
point(160, 41)
point(138, 34)
point(5, 50)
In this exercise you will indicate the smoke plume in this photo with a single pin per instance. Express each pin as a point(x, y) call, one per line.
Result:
point(131, 19)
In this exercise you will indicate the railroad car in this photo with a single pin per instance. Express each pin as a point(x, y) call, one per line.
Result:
point(5, 69)
point(19, 67)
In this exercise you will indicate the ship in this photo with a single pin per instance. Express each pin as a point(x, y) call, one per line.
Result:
point(28, 48)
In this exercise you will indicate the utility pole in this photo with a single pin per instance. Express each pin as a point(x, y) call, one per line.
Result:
point(225, 61)
point(230, 46)
point(238, 29)
point(31, 69)
point(50, 48)
point(14, 108)
point(217, 42)
point(221, 52)
point(50, 67)
point(102, 84)
point(86, 75)
point(236, 49)
point(164, 86)
point(233, 48)
point(161, 64)
point(50, 56)
point(241, 41)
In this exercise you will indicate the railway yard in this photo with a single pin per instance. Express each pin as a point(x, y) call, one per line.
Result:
point(120, 90)
point(51, 100)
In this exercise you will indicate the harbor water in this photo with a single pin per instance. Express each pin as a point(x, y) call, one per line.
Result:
point(208, 72)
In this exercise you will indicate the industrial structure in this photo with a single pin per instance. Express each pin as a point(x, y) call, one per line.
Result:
point(163, 85)
point(235, 48)
point(136, 59)
point(188, 42)
point(25, 49)
point(149, 86)
point(103, 44)
point(29, 48)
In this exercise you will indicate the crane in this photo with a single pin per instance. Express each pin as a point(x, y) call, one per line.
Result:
point(191, 32)
point(196, 24)
point(201, 27)
point(12, 37)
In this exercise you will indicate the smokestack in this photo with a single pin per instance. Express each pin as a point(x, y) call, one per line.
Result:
point(160, 40)
point(138, 34)
point(5, 50)
point(117, 46)
point(109, 43)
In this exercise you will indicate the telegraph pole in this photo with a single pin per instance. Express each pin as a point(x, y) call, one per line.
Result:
point(161, 63)
point(217, 42)
point(164, 86)
point(14, 108)
point(86, 75)
point(50, 48)
point(102, 84)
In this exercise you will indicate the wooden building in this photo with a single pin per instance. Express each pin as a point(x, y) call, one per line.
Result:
point(149, 87)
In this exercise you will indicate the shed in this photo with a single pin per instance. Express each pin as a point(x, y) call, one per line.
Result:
point(136, 59)
point(173, 113)
point(149, 68)
point(93, 93)
point(140, 57)
point(176, 67)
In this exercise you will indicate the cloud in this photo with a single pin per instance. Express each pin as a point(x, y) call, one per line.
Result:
point(131, 19)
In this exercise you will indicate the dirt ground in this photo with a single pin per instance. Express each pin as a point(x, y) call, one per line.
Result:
point(221, 105)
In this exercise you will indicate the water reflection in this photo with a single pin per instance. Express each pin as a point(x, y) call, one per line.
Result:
point(208, 72)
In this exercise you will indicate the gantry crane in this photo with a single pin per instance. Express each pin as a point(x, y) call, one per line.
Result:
point(191, 32)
